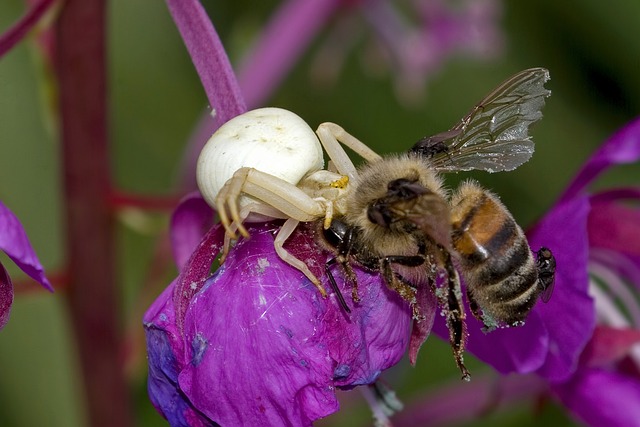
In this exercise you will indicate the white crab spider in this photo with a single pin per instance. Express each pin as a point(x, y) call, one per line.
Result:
point(269, 163)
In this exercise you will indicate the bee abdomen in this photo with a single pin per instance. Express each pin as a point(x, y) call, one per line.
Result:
point(494, 255)
point(511, 299)
point(485, 235)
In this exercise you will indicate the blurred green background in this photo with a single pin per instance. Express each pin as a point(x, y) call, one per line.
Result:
point(591, 48)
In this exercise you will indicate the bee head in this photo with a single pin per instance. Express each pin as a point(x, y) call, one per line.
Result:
point(394, 206)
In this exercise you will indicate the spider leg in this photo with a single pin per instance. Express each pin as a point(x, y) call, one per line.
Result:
point(286, 198)
point(331, 135)
point(254, 207)
point(228, 197)
point(285, 231)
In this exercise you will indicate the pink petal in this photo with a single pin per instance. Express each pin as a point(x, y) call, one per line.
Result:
point(621, 148)
point(196, 271)
point(615, 226)
point(609, 345)
point(569, 316)
point(189, 222)
point(428, 307)
point(602, 398)
point(15, 243)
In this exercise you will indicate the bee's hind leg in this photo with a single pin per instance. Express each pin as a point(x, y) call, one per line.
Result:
point(455, 314)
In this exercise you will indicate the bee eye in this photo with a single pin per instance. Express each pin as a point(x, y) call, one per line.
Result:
point(378, 213)
point(406, 189)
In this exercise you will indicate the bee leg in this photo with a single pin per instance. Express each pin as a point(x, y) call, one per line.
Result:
point(396, 282)
point(455, 315)
point(344, 250)
point(351, 276)
point(473, 305)
point(334, 284)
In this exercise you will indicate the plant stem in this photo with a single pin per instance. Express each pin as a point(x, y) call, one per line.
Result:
point(92, 297)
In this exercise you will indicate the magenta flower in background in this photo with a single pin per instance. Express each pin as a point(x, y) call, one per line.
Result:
point(585, 342)
point(583, 346)
point(14, 242)
point(605, 386)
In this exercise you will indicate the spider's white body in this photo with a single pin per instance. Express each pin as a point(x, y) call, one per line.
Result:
point(269, 163)
point(271, 140)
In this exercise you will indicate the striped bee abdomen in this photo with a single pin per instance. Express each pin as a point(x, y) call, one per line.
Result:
point(494, 256)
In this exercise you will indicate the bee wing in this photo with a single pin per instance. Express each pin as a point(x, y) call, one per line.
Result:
point(494, 135)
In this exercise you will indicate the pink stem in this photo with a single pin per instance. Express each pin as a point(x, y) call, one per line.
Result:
point(80, 64)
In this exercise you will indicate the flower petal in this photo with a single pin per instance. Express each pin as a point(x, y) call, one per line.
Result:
point(602, 398)
point(189, 222)
point(621, 148)
point(165, 350)
point(569, 316)
point(615, 226)
point(428, 306)
point(254, 343)
point(609, 345)
point(6, 296)
point(264, 348)
point(209, 58)
point(522, 349)
point(15, 243)
point(196, 271)
point(362, 345)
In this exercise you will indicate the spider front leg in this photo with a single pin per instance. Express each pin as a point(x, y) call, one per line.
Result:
point(331, 136)
point(276, 198)
point(286, 198)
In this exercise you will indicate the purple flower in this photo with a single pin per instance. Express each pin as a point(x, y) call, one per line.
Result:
point(14, 242)
point(605, 387)
point(554, 334)
point(585, 341)
point(255, 343)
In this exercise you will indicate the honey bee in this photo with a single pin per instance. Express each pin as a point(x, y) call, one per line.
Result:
point(400, 221)
point(397, 223)
point(503, 279)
